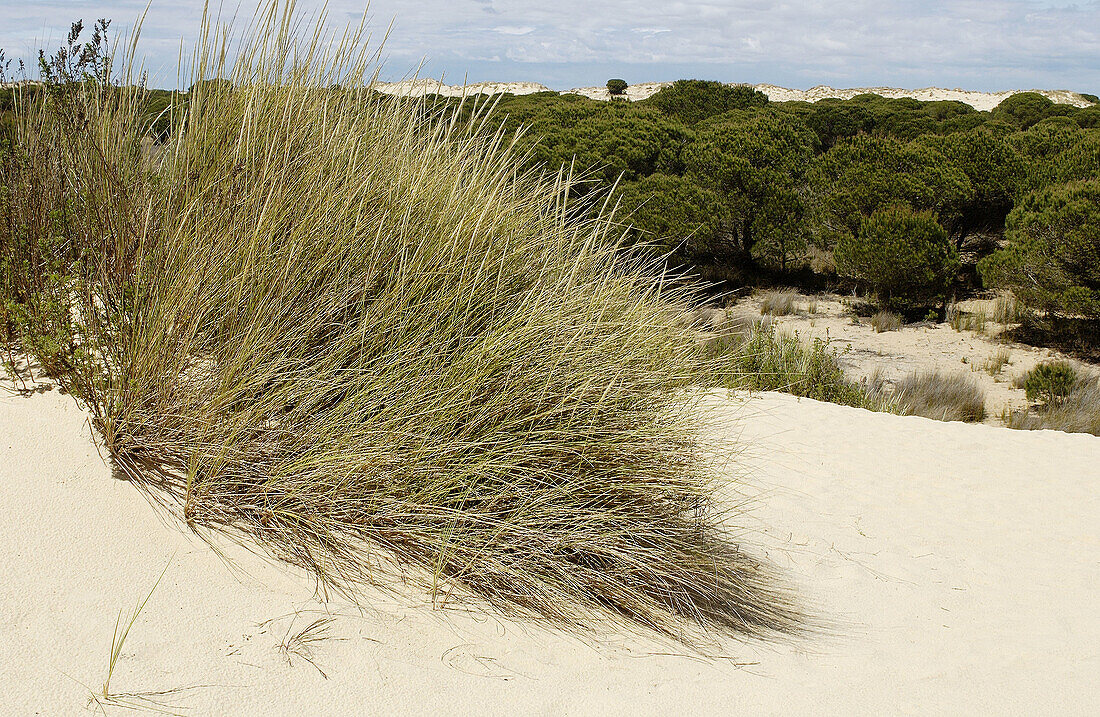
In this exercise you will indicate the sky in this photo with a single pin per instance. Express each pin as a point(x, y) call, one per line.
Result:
point(973, 44)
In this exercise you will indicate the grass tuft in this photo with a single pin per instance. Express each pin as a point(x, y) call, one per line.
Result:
point(778, 303)
point(358, 333)
point(996, 363)
point(1077, 412)
point(1007, 309)
point(885, 321)
point(944, 397)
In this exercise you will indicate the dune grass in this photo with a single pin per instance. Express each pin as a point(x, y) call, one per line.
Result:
point(358, 334)
point(763, 359)
point(1076, 412)
point(885, 321)
point(996, 363)
point(778, 303)
point(942, 396)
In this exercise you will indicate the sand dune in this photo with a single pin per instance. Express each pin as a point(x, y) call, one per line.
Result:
point(958, 562)
point(979, 100)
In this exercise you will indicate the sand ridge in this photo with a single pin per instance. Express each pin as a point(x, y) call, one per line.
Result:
point(957, 562)
point(984, 101)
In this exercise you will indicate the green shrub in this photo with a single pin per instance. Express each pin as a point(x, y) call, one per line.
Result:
point(1052, 261)
point(902, 255)
point(1077, 412)
point(616, 87)
point(1023, 109)
point(366, 338)
point(675, 214)
point(1050, 382)
point(695, 100)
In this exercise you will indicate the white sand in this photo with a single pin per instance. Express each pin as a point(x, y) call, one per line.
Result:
point(639, 91)
point(918, 347)
point(960, 561)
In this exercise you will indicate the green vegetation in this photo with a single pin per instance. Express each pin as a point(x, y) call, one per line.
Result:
point(1052, 260)
point(616, 87)
point(765, 360)
point(1049, 383)
point(1076, 412)
point(944, 397)
point(370, 339)
point(902, 256)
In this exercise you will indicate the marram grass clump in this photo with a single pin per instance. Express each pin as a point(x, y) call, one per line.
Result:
point(362, 336)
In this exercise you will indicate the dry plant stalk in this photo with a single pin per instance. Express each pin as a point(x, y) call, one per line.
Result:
point(359, 334)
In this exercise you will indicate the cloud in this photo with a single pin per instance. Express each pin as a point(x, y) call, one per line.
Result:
point(983, 44)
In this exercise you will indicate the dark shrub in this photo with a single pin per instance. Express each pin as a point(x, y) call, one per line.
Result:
point(902, 255)
point(616, 87)
point(1052, 261)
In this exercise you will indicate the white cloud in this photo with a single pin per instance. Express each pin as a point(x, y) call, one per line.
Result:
point(507, 30)
point(985, 44)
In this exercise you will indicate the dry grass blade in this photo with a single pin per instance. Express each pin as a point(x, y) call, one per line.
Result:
point(885, 321)
point(303, 642)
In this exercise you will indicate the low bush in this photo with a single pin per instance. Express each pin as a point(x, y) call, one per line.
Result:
point(765, 360)
point(944, 397)
point(885, 321)
point(1050, 382)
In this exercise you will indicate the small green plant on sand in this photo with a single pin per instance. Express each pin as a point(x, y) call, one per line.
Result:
point(104, 697)
point(1050, 382)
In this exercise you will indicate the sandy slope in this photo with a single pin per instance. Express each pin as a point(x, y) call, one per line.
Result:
point(961, 563)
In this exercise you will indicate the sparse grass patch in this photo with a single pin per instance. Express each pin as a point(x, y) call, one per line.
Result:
point(1006, 309)
point(966, 321)
point(766, 360)
point(778, 303)
point(885, 321)
point(303, 642)
point(1077, 412)
point(811, 306)
point(996, 363)
point(944, 397)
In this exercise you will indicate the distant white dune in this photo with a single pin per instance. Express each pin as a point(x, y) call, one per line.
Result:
point(978, 100)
